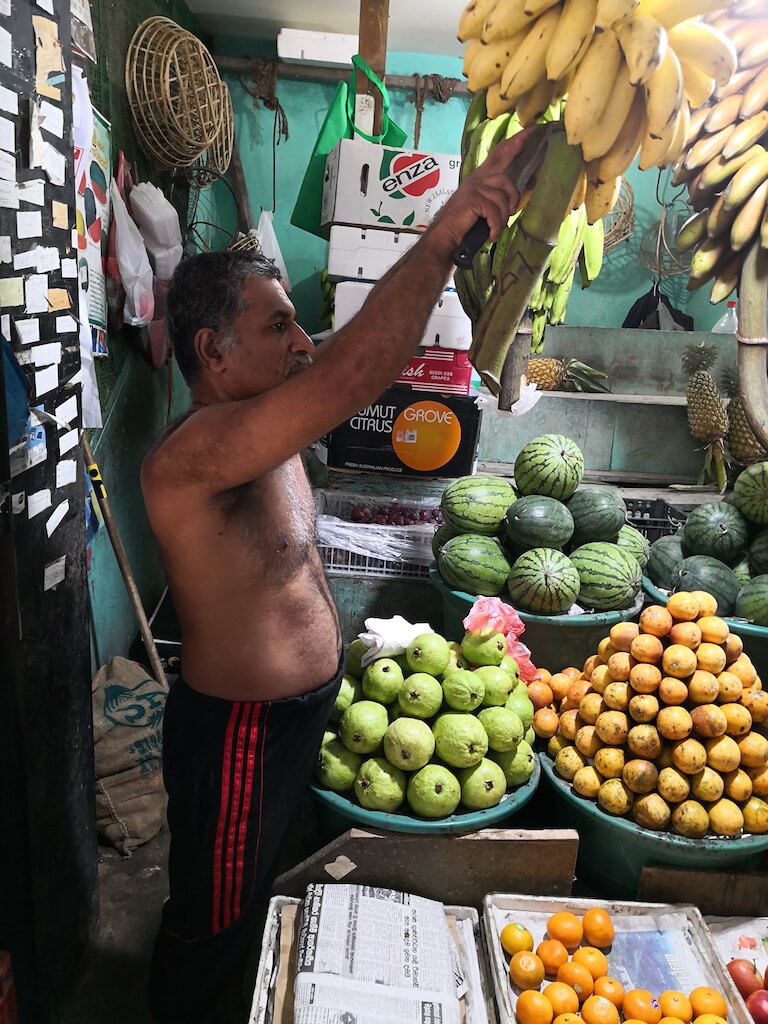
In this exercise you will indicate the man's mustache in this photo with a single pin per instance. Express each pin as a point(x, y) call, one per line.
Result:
point(302, 362)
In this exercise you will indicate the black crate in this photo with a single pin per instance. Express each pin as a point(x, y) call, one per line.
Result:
point(654, 517)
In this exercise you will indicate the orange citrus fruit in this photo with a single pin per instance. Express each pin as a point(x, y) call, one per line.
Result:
point(707, 1000)
point(640, 1004)
point(567, 1018)
point(593, 960)
point(598, 928)
point(526, 970)
point(578, 977)
point(676, 1004)
point(599, 1010)
point(515, 938)
point(656, 620)
point(683, 607)
point(707, 603)
point(552, 953)
point(563, 998)
point(533, 1008)
point(611, 989)
point(710, 1018)
point(565, 927)
point(713, 629)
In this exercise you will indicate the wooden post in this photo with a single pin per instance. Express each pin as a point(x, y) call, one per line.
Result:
point(374, 23)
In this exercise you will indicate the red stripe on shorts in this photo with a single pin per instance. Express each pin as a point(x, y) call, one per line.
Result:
point(226, 771)
point(250, 766)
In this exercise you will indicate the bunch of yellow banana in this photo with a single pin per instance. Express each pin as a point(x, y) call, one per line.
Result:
point(631, 69)
point(725, 163)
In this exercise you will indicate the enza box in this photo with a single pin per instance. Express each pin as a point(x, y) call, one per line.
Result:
point(365, 254)
point(438, 369)
point(376, 186)
point(405, 433)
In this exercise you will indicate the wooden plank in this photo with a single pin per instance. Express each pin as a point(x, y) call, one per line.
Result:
point(245, 219)
point(453, 869)
point(715, 893)
point(653, 481)
point(374, 24)
point(579, 396)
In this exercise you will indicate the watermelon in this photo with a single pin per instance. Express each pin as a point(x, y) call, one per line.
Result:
point(666, 553)
point(702, 572)
point(598, 514)
point(752, 602)
point(610, 576)
point(537, 522)
point(750, 492)
point(442, 535)
point(477, 504)
point(741, 571)
point(636, 543)
point(716, 529)
point(758, 554)
point(544, 581)
point(475, 564)
point(551, 465)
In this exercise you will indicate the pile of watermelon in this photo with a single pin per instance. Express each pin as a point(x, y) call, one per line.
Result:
point(722, 549)
point(550, 544)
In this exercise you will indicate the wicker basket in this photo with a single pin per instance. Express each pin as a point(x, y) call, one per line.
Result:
point(620, 224)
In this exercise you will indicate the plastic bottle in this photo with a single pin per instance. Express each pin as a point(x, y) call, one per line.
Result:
point(728, 322)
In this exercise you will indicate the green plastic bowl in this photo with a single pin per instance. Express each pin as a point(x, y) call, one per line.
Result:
point(755, 637)
point(339, 813)
point(555, 641)
point(614, 851)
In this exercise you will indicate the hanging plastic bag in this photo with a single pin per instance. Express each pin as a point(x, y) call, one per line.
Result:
point(267, 239)
point(132, 259)
point(339, 124)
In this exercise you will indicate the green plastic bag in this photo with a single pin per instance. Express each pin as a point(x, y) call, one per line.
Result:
point(339, 124)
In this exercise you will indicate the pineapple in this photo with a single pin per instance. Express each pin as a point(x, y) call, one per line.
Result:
point(742, 443)
point(571, 375)
point(707, 416)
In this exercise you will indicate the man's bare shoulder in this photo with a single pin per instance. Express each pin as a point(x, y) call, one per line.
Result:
point(159, 448)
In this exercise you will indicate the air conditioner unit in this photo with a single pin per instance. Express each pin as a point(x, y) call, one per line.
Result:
point(322, 49)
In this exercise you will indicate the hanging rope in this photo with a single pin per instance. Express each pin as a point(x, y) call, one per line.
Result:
point(442, 90)
point(261, 84)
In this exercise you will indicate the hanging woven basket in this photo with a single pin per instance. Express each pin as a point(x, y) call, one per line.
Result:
point(620, 224)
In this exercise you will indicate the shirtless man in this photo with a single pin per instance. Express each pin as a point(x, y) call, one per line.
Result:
point(233, 513)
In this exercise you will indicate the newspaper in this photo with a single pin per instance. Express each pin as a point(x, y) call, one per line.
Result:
point(741, 937)
point(368, 955)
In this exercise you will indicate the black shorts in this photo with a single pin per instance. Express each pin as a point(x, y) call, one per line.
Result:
point(236, 774)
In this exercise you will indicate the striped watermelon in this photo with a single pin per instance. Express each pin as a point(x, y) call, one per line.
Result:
point(610, 576)
point(741, 571)
point(537, 522)
point(702, 572)
point(477, 504)
point(551, 465)
point(716, 529)
point(544, 581)
point(750, 492)
point(758, 554)
point(666, 554)
point(475, 564)
point(752, 602)
point(442, 535)
point(635, 543)
point(598, 514)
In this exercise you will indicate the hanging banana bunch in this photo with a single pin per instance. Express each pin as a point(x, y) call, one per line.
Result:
point(726, 161)
point(627, 70)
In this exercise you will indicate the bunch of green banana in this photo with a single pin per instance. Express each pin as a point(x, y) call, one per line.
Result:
point(328, 288)
point(726, 161)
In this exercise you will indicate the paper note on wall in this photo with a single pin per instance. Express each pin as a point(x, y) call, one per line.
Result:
point(11, 291)
point(49, 74)
point(60, 214)
point(38, 502)
point(9, 195)
point(58, 298)
point(27, 330)
point(55, 573)
point(58, 515)
point(7, 135)
point(46, 380)
point(29, 224)
point(5, 248)
point(32, 191)
point(6, 48)
point(37, 293)
point(66, 472)
point(68, 441)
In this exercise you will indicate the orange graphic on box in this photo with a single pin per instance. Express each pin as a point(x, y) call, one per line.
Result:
point(426, 436)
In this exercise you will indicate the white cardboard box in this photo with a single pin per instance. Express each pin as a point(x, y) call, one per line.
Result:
point(395, 189)
point(448, 326)
point(366, 254)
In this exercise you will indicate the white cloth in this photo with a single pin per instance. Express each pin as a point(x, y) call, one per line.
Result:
point(386, 638)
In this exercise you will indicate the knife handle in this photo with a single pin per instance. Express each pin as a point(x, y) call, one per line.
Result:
point(471, 244)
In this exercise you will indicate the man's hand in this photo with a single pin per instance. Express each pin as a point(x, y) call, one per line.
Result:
point(488, 192)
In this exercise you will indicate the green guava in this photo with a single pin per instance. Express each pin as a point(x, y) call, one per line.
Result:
point(530, 736)
point(409, 744)
point(509, 664)
point(484, 648)
point(353, 661)
point(429, 653)
point(382, 681)
point(520, 703)
point(329, 735)
point(379, 786)
point(434, 792)
point(421, 696)
point(463, 690)
point(455, 659)
point(337, 767)
point(362, 726)
point(460, 740)
point(498, 685)
point(482, 786)
point(504, 728)
point(517, 765)
point(349, 691)
point(402, 661)
point(394, 711)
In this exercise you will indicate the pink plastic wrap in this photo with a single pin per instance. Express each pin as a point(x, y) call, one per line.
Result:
point(491, 614)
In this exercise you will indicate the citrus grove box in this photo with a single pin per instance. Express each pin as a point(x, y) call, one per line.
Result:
point(409, 433)
point(376, 186)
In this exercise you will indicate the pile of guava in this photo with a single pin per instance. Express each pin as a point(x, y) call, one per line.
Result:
point(441, 728)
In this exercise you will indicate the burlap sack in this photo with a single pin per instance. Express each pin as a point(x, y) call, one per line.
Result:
point(128, 746)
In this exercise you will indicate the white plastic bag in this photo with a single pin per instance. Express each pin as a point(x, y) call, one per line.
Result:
point(132, 259)
point(267, 239)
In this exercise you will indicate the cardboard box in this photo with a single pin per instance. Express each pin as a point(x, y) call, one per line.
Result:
point(377, 186)
point(410, 434)
point(438, 369)
point(448, 326)
point(367, 254)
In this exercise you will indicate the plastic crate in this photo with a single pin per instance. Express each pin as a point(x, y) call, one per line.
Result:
point(365, 549)
point(654, 517)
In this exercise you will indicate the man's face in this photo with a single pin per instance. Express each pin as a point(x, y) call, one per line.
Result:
point(270, 346)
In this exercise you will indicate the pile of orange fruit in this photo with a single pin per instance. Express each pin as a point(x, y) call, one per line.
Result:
point(583, 992)
point(666, 723)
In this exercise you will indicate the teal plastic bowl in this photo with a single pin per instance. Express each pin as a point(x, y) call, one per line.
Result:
point(555, 641)
point(338, 813)
point(614, 851)
point(755, 637)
